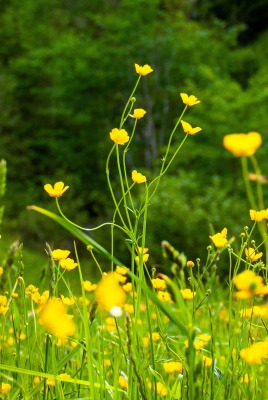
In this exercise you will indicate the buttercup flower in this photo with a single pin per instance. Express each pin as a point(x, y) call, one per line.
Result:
point(121, 270)
point(122, 382)
point(68, 264)
point(242, 144)
point(207, 361)
point(189, 129)
point(109, 293)
point(187, 294)
point(258, 216)
point(219, 239)
point(172, 366)
point(119, 136)
point(5, 388)
point(58, 254)
point(137, 177)
point(190, 264)
point(255, 353)
point(189, 100)
point(138, 113)
point(57, 190)
point(252, 255)
point(249, 284)
point(89, 287)
point(145, 70)
point(159, 284)
point(145, 256)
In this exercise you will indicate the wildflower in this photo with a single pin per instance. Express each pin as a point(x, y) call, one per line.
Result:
point(187, 294)
point(1, 271)
point(40, 299)
point(255, 353)
point(121, 270)
point(159, 284)
point(67, 301)
point(109, 293)
point(120, 278)
point(245, 379)
point(5, 388)
point(144, 252)
point(258, 216)
point(190, 264)
point(107, 362)
point(207, 361)
point(58, 254)
point(110, 324)
point(57, 190)
point(204, 337)
point(198, 344)
point(119, 136)
point(129, 308)
point(89, 287)
point(249, 284)
point(242, 144)
point(64, 375)
point(161, 389)
point(127, 287)
point(31, 289)
point(164, 296)
point(36, 380)
point(189, 129)
point(189, 100)
point(54, 318)
point(68, 264)
point(145, 341)
point(3, 305)
point(138, 113)
point(51, 382)
point(122, 382)
point(155, 336)
point(172, 366)
point(143, 71)
point(252, 255)
point(137, 177)
point(219, 239)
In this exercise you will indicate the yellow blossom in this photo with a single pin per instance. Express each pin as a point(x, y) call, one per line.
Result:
point(31, 289)
point(138, 113)
point(129, 308)
point(54, 318)
point(164, 296)
point(245, 379)
point(255, 353)
point(67, 301)
point(159, 284)
point(219, 239)
point(68, 264)
point(64, 375)
point(5, 388)
point(198, 344)
point(257, 178)
point(187, 128)
point(247, 280)
point(127, 287)
point(173, 366)
point(204, 337)
point(109, 293)
point(107, 362)
point(57, 190)
point(258, 216)
point(161, 389)
point(119, 136)
point(120, 278)
point(145, 341)
point(36, 380)
point(58, 254)
point(40, 299)
point(155, 336)
point(189, 100)
point(137, 177)
point(242, 144)
point(190, 264)
point(89, 287)
point(121, 270)
point(1, 271)
point(187, 294)
point(51, 382)
point(207, 361)
point(143, 70)
point(252, 255)
point(3, 305)
point(122, 382)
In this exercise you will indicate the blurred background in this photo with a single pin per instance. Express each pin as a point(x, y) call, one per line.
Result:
point(66, 71)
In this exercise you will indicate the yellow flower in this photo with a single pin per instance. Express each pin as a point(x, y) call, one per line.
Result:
point(58, 254)
point(190, 264)
point(255, 353)
point(159, 284)
point(137, 177)
point(129, 308)
point(161, 389)
point(172, 366)
point(64, 375)
point(89, 287)
point(119, 136)
point(155, 336)
point(5, 388)
point(31, 289)
point(252, 255)
point(40, 299)
point(189, 129)
point(187, 294)
point(67, 301)
point(122, 382)
point(51, 382)
point(207, 361)
point(57, 190)
point(109, 293)
point(145, 70)
point(3, 305)
point(164, 296)
point(245, 379)
point(138, 113)
point(1, 271)
point(257, 178)
point(258, 216)
point(145, 256)
point(36, 380)
point(121, 270)
point(128, 287)
point(242, 144)
point(219, 239)
point(204, 337)
point(189, 100)
point(54, 318)
point(247, 280)
point(68, 264)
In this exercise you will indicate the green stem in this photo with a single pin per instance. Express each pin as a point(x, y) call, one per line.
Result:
point(123, 118)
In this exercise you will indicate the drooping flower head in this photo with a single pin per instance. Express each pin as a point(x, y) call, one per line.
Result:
point(189, 129)
point(137, 177)
point(138, 113)
point(189, 100)
point(119, 136)
point(57, 190)
point(242, 144)
point(143, 70)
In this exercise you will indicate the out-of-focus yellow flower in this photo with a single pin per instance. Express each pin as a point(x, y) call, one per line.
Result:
point(31, 289)
point(255, 311)
point(189, 100)
point(245, 379)
point(145, 341)
point(107, 362)
point(14, 295)
point(187, 128)
point(122, 382)
point(190, 264)
point(110, 324)
point(89, 287)
point(64, 375)
point(164, 296)
point(204, 337)
point(155, 336)
point(257, 178)
point(57, 190)
point(54, 318)
point(120, 278)
point(119, 136)
point(138, 113)
point(51, 382)
point(68, 264)
point(145, 256)
point(137, 177)
point(40, 299)
point(109, 293)
point(121, 270)
point(252, 255)
point(36, 380)
point(127, 287)
point(161, 389)
point(187, 294)
point(1, 271)
point(3, 305)
point(255, 353)
point(242, 144)
point(58, 254)
point(129, 308)
point(249, 284)
point(172, 366)
point(207, 361)
point(159, 284)
point(220, 239)
point(5, 388)
point(67, 301)
point(143, 70)
point(258, 216)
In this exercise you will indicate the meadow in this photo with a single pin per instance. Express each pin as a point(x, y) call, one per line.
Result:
point(133, 331)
